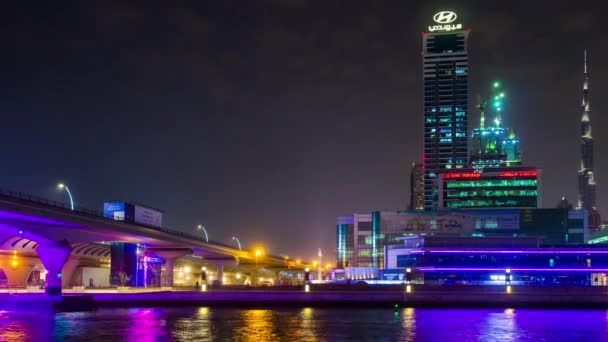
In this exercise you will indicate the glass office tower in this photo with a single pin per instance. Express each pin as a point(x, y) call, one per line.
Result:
point(445, 77)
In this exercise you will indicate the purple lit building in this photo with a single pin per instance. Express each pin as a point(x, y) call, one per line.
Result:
point(497, 261)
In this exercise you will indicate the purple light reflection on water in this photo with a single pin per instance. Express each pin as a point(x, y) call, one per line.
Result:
point(307, 324)
point(146, 325)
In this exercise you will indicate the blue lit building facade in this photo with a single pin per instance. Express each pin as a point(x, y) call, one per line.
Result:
point(345, 241)
point(498, 261)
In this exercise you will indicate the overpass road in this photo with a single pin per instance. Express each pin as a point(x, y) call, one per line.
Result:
point(32, 227)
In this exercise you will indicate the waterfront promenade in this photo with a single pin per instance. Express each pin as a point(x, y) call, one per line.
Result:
point(420, 296)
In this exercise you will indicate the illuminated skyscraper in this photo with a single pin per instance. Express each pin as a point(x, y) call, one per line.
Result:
point(586, 181)
point(445, 76)
point(493, 144)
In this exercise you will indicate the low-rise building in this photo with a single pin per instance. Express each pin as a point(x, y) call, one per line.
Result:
point(512, 187)
point(361, 238)
point(497, 260)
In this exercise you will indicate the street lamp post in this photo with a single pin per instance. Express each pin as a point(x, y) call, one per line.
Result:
point(319, 273)
point(201, 227)
point(63, 186)
point(237, 241)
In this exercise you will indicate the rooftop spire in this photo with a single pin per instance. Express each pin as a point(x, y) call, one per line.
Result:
point(585, 61)
point(586, 181)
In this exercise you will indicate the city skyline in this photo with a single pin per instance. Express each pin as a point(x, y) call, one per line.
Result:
point(318, 118)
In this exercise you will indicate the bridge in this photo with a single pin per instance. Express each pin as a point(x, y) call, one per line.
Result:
point(45, 241)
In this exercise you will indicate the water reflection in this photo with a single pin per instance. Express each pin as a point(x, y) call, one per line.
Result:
point(500, 326)
point(408, 323)
point(146, 325)
point(302, 326)
point(203, 324)
point(12, 330)
point(306, 324)
point(257, 325)
point(196, 326)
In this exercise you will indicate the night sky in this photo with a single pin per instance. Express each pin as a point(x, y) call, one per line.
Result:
point(267, 119)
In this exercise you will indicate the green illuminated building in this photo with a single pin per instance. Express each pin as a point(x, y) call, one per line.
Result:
point(494, 146)
point(492, 187)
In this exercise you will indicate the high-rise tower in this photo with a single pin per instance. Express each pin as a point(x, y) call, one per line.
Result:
point(445, 71)
point(586, 181)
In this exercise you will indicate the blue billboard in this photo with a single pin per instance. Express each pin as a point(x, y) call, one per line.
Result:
point(114, 210)
point(124, 211)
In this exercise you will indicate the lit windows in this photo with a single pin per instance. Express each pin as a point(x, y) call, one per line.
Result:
point(492, 183)
point(365, 252)
point(493, 193)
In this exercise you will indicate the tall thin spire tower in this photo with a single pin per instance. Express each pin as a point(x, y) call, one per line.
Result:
point(586, 181)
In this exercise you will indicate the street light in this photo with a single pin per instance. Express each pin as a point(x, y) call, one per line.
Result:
point(199, 227)
point(63, 186)
point(237, 241)
point(258, 253)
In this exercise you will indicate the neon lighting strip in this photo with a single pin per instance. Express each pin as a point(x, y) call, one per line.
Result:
point(481, 269)
point(529, 251)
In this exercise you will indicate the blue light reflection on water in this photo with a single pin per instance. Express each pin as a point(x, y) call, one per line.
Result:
point(306, 324)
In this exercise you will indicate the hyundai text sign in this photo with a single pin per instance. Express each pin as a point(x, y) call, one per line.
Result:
point(445, 19)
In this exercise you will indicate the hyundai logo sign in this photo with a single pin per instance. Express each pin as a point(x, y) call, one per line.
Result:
point(444, 17)
point(446, 21)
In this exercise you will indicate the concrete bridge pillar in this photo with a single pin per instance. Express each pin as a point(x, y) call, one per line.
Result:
point(219, 271)
point(68, 272)
point(219, 268)
point(17, 277)
point(168, 279)
point(170, 255)
point(255, 281)
point(53, 257)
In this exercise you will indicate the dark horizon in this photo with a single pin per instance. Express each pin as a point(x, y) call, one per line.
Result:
point(267, 120)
